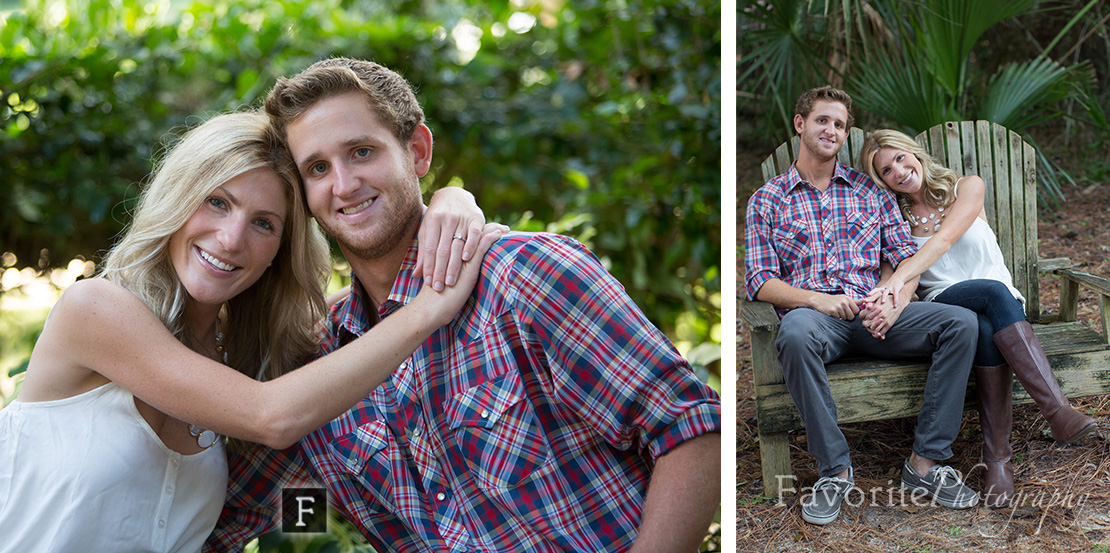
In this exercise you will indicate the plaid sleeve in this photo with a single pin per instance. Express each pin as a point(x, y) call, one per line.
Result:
point(608, 362)
point(897, 245)
point(252, 506)
point(761, 263)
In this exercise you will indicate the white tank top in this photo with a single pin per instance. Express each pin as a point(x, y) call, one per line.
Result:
point(975, 255)
point(87, 473)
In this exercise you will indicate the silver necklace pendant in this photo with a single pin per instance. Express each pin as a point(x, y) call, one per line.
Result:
point(922, 221)
point(221, 351)
point(205, 438)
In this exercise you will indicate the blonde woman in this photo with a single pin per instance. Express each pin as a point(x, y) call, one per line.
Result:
point(191, 331)
point(960, 263)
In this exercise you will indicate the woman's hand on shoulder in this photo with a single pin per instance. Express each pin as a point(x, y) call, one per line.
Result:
point(442, 306)
point(449, 235)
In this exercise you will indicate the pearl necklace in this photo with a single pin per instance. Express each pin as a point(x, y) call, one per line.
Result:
point(205, 438)
point(926, 221)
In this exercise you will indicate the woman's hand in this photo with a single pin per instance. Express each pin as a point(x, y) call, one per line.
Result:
point(441, 306)
point(449, 235)
point(877, 295)
point(892, 288)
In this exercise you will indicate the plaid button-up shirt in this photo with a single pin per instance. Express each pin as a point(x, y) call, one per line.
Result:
point(829, 241)
point(531, 423)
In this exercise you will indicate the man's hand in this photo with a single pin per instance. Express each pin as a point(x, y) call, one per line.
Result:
point(839, 306)
point(878, 318)
point(879, 315)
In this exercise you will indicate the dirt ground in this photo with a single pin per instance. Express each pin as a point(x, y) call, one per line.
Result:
point(1063, 493)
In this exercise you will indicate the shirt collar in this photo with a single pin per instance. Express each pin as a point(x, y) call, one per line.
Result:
point(793, 178)
point(354, 312)
point(406, 286)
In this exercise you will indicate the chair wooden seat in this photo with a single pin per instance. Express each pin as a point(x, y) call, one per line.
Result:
point(876, 389)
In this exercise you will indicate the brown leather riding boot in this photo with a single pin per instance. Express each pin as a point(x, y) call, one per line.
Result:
point(994, 386)
point(1027, 360)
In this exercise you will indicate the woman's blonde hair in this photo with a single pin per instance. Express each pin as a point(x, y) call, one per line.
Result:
point(939, 181)
point(271, 324)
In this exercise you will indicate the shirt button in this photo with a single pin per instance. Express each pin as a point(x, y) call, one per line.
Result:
point(441, 496)
point(485, 414)
point(161, 524)
point(169, 489)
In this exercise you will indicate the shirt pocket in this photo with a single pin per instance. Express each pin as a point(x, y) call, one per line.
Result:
point(495, 429)
point(364, 455)
point(791, 242)
point(862, 232)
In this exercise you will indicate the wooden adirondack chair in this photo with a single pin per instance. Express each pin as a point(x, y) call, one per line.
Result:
point(873, 389)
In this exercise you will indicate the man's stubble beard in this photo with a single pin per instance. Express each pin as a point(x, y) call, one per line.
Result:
point(398, 227)
point(813, 144)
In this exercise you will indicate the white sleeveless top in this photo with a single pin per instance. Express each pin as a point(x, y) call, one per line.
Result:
point(87, 473)
point(975, 255)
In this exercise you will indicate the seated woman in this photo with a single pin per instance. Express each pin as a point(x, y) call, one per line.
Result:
point(194, 327)
point(960, 263)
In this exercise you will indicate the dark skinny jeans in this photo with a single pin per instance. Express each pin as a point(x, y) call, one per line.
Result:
point(996, 307)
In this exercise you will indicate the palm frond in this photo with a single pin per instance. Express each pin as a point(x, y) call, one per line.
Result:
point(948, 29)
point(900, 89)
point(777, 54)
point(1023, 94)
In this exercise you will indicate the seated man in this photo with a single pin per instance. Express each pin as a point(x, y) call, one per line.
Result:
point(550, 415)
point(817, 240)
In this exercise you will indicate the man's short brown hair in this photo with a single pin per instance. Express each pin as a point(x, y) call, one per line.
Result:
point(388, 94)
point(825, 93)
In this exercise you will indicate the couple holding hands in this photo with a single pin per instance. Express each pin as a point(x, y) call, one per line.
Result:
point(840, 252)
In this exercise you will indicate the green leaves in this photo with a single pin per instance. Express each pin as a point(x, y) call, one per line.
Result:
point(897, 86)
point(1024, 94)
point(600, 118)
point(781, 51)
point(947, 30)
point(912, 65)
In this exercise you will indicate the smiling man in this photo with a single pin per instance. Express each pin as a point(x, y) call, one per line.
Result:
point(818, 239)
point(535, 421)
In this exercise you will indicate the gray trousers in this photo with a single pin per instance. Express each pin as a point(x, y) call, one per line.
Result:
point(808, 340)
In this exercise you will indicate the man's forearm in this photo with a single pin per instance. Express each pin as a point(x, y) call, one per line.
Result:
point(782, 295)
point(683, 495)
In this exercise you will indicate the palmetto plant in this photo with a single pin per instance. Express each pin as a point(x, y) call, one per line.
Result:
point(910, 63)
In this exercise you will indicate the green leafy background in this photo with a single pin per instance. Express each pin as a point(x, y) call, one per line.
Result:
point(1039, 68)
point(598, 119)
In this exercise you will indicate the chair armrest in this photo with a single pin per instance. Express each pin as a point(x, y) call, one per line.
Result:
point(759, 315)
point(1070, 279)
point(1099, 284)
point(1053, 264)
